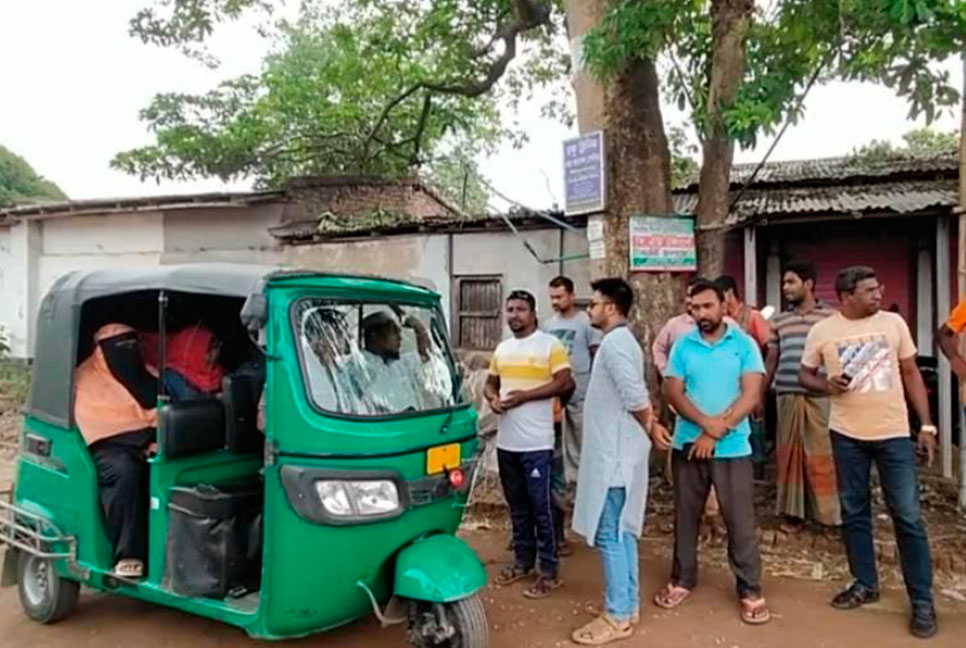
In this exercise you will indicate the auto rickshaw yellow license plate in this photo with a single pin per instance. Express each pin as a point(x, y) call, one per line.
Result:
point(442, 458)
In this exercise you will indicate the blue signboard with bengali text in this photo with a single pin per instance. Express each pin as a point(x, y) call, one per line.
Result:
point(584, 184)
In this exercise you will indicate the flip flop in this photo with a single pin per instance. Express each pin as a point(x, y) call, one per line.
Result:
point(671, 596)
point(602, 630)
point(511, 575)
point(754, 611)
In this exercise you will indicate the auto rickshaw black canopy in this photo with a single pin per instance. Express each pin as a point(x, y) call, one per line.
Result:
point(58, 319)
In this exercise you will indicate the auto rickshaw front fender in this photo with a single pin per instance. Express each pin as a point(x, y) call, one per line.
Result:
point(440, 569)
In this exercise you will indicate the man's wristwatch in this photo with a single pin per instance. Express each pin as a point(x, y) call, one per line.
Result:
point(929, 429)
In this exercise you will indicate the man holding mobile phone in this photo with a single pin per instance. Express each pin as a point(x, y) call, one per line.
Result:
point(870, 360)
point(713, 381)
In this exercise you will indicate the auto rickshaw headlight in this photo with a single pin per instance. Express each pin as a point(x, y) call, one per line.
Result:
point(358, 498)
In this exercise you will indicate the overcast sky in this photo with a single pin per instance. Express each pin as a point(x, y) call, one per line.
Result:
point(72, 82)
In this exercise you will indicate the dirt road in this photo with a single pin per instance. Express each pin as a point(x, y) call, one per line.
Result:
point(802, 617)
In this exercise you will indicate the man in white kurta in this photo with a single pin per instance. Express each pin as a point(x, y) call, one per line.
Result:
point(612, 479)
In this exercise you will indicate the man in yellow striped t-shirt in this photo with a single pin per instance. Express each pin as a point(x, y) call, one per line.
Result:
point(527, 372)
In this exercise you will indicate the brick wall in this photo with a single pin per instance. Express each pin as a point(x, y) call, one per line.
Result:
point(309, 198)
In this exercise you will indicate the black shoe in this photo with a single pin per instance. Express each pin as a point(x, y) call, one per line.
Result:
point(855, 596)
point(923, 623)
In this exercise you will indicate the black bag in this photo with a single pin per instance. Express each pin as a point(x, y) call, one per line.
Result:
point(214, 544)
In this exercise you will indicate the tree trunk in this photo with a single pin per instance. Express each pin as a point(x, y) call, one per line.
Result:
point(730, 20)
point(639, 175)
point(628, 110)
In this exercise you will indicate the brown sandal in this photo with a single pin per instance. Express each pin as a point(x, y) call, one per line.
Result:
point(791, 528)
point(542, 588)
point(671, 596)
point(602, 630)
point(754, 611)
point(512, 574)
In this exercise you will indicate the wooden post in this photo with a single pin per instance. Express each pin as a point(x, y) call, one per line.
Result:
point(773, 274)
point(751, 266)
point(943, 274)
point(925, 324)
point(961, 281)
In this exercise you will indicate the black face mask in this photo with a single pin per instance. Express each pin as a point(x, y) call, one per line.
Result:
point(123, 356)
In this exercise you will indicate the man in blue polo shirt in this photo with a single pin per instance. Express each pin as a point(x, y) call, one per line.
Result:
point(713, 380)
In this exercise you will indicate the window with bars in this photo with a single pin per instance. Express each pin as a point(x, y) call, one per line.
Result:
point(479, 312)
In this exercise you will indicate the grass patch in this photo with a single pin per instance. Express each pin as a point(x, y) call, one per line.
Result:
point(14, 382)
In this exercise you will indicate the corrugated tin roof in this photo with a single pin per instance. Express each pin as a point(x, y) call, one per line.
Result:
point(838, 169)
point(147, 203)
point(904, 197)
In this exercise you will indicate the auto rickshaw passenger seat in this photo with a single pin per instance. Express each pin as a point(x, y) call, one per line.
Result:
point(191, 427)
point(240, 393)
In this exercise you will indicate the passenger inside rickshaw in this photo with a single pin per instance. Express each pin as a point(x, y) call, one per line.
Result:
point(193, 368)
point(214, 375)
point(114, 407)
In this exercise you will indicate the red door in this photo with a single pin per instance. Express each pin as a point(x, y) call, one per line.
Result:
point(888, 246)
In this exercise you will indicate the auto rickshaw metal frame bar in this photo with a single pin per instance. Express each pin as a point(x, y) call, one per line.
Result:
point(26, 531)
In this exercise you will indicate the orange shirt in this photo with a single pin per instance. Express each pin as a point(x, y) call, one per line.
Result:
point(753, 323)
point(957, 319)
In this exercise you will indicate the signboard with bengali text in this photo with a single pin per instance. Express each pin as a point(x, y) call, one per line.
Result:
point(584, 184)
point(662, 244)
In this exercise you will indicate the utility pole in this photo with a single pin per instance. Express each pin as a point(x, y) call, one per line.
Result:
point(961, 280)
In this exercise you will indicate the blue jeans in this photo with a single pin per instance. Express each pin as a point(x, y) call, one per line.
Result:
point(618, 553)
point(895, 460)
point(180, 388)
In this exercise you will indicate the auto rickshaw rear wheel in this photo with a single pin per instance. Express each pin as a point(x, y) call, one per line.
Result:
point(460, 624)
point(44, 595)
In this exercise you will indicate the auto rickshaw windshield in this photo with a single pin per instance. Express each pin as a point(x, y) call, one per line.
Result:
point(374, 359)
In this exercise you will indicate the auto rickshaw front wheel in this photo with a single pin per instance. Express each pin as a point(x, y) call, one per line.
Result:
point(460, 624)
point(44, 595)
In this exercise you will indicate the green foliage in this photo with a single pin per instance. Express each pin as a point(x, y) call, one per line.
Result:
point(457, 179)
point(19, 183)
point(366, 87)
point(894, 42)
point(918, 142)
point(14, 381)
point(14, 375)
point(684, 167)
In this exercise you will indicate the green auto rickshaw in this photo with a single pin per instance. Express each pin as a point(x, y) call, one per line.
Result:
point(324, 482)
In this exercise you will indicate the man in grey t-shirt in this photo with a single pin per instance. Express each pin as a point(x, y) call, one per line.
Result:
point(573, 328)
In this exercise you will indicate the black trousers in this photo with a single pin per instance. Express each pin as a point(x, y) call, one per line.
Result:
point(526, 485)
point(122, 478)
point(733, 482)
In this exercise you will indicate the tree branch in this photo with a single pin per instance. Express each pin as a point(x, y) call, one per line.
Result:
point(530, 14)
point(418, 136)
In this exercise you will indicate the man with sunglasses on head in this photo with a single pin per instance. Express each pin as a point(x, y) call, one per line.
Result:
point(527, 372)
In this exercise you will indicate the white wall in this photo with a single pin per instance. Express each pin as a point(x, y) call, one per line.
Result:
point(420, 259)
point(95, 243)
point(241, 228)
point(8, 304)
point(502, 253)
point(34, 253)
point(19, 265)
